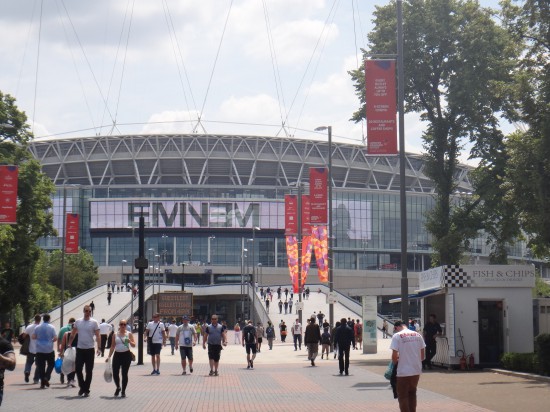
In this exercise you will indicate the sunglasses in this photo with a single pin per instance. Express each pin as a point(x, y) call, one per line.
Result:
point(122, 324)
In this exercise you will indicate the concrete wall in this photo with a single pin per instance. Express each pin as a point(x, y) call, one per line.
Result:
point(518, 311)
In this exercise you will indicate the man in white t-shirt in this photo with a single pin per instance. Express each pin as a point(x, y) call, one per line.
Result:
point(157, 332)
point(408, 353)
point(86, 327)
point(32, 350)
point(172, 331)
point(104, 330)
point(186, 339)
point(297, 334)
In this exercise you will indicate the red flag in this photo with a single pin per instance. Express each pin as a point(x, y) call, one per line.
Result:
point(318, 195)
point(381, 107)
point(8, 194)
point(71, 233)
point(306, 224)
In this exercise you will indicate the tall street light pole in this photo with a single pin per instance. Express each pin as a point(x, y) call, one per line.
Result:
point(243, 256)
point(64, 234)
point(330, 234)
point(402, 192)
point(253, 280)
point(122, 272)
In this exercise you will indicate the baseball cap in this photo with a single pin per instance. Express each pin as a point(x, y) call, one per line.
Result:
point(185, 317)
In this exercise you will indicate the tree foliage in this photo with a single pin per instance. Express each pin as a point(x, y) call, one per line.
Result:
point(528, 186)
point(457, 63)
point(81, 273)
point(19, 251)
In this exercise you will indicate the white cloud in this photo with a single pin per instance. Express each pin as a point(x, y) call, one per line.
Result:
point(170, 122)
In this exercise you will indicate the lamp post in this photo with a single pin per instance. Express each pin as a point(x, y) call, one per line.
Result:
point(122, 271)
point(158, 274)
point(253, 280)
point(164, 251)
point(329, 243)
point(243, 256)
point(208, 251)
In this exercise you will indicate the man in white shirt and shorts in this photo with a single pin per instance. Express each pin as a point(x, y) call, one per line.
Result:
point(185, 339)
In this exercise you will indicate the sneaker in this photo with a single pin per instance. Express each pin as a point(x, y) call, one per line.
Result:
point(347, 373)
point(72, 383)
point(157, 372)
point(184, 373)
point(211, 373)
point(81, 392)
point(216, 373)
point(154, 372)
point(252, 364)
point(123, 395)
point(27, 374)
point(87, 394)
point(312, 363)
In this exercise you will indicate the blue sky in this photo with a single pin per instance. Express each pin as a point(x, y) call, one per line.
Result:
point(91, 71)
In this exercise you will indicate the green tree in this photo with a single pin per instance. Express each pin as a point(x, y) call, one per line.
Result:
point(34, 219)
point(81, 273)
point(528, 170)
point(457, 64)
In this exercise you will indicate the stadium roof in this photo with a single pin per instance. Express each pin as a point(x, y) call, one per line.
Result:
point(197, 159)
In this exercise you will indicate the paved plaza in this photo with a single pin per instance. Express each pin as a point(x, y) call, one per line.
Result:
point(282, 380)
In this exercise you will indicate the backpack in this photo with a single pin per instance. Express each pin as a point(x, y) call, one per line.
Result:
point(325, 338)
point(250, 335)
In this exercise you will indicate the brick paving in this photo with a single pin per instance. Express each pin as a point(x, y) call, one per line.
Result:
point(282, 380)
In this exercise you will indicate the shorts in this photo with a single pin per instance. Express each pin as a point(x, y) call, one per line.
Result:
point(250, 347)
point(155, 348)
point(259, 340)
point(214, 352)
point(186, 352)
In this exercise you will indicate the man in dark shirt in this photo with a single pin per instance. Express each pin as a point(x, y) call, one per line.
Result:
point(343, 338)
point(312, 337)
point(7, 361)
point(431, 329)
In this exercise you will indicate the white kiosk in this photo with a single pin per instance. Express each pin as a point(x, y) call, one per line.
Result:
point(484, 310)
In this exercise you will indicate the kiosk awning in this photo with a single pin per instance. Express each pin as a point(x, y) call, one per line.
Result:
point(420, 294)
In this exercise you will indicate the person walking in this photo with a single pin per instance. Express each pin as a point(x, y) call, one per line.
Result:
point(249, 343)
point(267, 305)
point(431, 330)
point(286, 306)
point(104, 331)
point(120, 345)
point(31, 356)
point(86, 327)
point(216, 336)
point(270, 334)
point(63, 347)
point(45, 336)
point(172, 332)
point(109, 296)
point(92, 307)
point(296, 330)
point(156, 333)
point(185, 340)
point(7, 361)
point(384, 329)
point(408, 352)
point(60, 336)
point(260, 332)
point(312, 338)
point(343, 339)
point(283, 330)
point(290, 303)
point(237, 330)
point(358, 332)
point(325, 342)
point(280, 306)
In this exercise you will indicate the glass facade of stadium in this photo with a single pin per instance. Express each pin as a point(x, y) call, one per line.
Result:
point(202, 195)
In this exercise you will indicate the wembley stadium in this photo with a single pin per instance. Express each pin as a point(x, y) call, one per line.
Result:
point(214, 207)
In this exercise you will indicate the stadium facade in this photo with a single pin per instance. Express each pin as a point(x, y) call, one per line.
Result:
point(202, 195)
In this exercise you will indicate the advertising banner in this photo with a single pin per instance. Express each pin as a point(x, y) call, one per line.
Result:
point(306, 217)
point(71, 233)
point(291, 215)
point(318, 195)
point(380, 96)
point(370, 342)
point(8, 197)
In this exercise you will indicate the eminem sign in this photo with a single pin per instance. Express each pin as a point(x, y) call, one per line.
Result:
point(381, 107)
point(8, 191)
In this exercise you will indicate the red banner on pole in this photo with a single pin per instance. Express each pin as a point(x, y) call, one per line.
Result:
point(381, 107)
point(306, 224)
point(318, 195)
point(8, 194)
point(291, 215)
point(71, 233)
